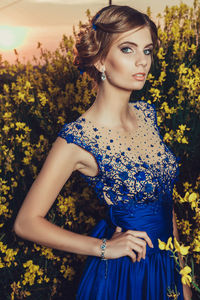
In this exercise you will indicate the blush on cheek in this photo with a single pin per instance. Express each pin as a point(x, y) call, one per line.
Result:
point(114, 66)
point(117, 68)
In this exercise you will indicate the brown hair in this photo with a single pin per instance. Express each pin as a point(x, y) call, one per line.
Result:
point(94, 40)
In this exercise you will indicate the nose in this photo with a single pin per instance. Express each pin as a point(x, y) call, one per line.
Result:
point(141, 59)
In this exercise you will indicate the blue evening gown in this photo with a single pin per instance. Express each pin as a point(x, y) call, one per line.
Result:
point(136, 175)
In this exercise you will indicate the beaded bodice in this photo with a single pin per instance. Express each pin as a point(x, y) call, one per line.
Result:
point(134, 169)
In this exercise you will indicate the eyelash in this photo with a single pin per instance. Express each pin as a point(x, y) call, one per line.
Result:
point(150, 50)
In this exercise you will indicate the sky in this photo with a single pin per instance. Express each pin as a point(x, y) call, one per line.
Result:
point(24, 23)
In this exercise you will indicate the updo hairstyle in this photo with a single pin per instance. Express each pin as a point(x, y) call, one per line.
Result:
point(94, 40)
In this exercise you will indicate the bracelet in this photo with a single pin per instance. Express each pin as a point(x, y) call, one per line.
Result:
point(103, 248)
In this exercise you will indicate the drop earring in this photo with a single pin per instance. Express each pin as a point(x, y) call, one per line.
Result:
point(103, 75)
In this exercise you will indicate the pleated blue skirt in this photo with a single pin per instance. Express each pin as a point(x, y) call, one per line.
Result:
point(120, 279)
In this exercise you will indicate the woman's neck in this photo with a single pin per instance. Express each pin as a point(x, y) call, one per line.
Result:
point(111, 107)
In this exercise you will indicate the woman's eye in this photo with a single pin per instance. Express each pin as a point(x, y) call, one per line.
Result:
point(126, 50)
point(129, 50)
point(148, 51)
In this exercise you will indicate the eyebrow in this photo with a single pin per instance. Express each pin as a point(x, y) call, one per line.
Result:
point(127, 42)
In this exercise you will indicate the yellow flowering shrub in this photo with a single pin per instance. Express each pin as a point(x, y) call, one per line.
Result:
point(186, 272)
point(38, 97)
point(174, 89)
point(35, 101)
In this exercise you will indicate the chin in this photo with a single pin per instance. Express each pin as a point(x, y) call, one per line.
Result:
point(137, 87)
point(129, 87)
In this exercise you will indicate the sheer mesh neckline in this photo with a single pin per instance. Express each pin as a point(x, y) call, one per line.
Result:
point(113, 129)
point(133, 170)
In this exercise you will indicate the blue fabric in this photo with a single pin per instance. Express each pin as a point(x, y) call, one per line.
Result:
point(140, 190)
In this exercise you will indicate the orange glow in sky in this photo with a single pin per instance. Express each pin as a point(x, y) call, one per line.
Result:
point(12, 37)
point(25, 23)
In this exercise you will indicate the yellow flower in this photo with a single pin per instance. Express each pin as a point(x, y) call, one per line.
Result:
point(1, 264)
point(186, 185)
point(161, 244)
point(27, 129)
point(7, 116)
point(167, 137)
point(186, 279)
point(6, 129)
point(169, 244)
point(197, 248)
point(31, 99)
point(164, 64)
point(19, 138)
point(6, 88)
point(21, 96)
point(21, 172)
point(192, 197)
point(183, 69)
point(61, 120)
point(20, 125)
point(184, 140)
point(186, 227)
point(67, 271)
point(155, 93)
point(150, 77)
point(46, 278)
point(31, 272)
point(172, 294)
point(159, 120)
point(162, 77)
point(171, 90)
point(161, 54)
point(26, 161)
point(181, 248)
point(182, 127)
point(27, 85)
point(197, 243)
point(193, 48)
point(42, 98)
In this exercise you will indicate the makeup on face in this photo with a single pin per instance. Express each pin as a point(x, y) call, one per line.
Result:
point(129, 59)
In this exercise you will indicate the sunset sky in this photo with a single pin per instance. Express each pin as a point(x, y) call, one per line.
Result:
point(23, 23)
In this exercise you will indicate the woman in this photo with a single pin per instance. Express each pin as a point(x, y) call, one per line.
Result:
point(117, 148)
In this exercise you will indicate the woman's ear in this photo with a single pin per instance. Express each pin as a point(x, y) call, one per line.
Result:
point(99, 66)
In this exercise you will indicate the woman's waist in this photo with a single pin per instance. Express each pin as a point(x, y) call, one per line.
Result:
point(106, 229)
point(158, 224)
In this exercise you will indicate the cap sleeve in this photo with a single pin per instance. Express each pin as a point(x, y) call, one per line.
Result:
point(71, 133)
point(74, 133)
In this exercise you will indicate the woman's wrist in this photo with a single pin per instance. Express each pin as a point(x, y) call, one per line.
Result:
point(100, 248)
point(103, 248)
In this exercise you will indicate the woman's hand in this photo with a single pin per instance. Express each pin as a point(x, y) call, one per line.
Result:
point(123, 244)
point(187, 292)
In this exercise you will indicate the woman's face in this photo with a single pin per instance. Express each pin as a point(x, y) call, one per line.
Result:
point(129, 55)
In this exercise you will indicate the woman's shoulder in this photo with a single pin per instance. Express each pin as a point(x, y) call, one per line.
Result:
point(71, 130)
point(142, 104)
point(148, 109)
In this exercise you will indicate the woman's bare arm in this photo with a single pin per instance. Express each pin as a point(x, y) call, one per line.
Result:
point(31, 224)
